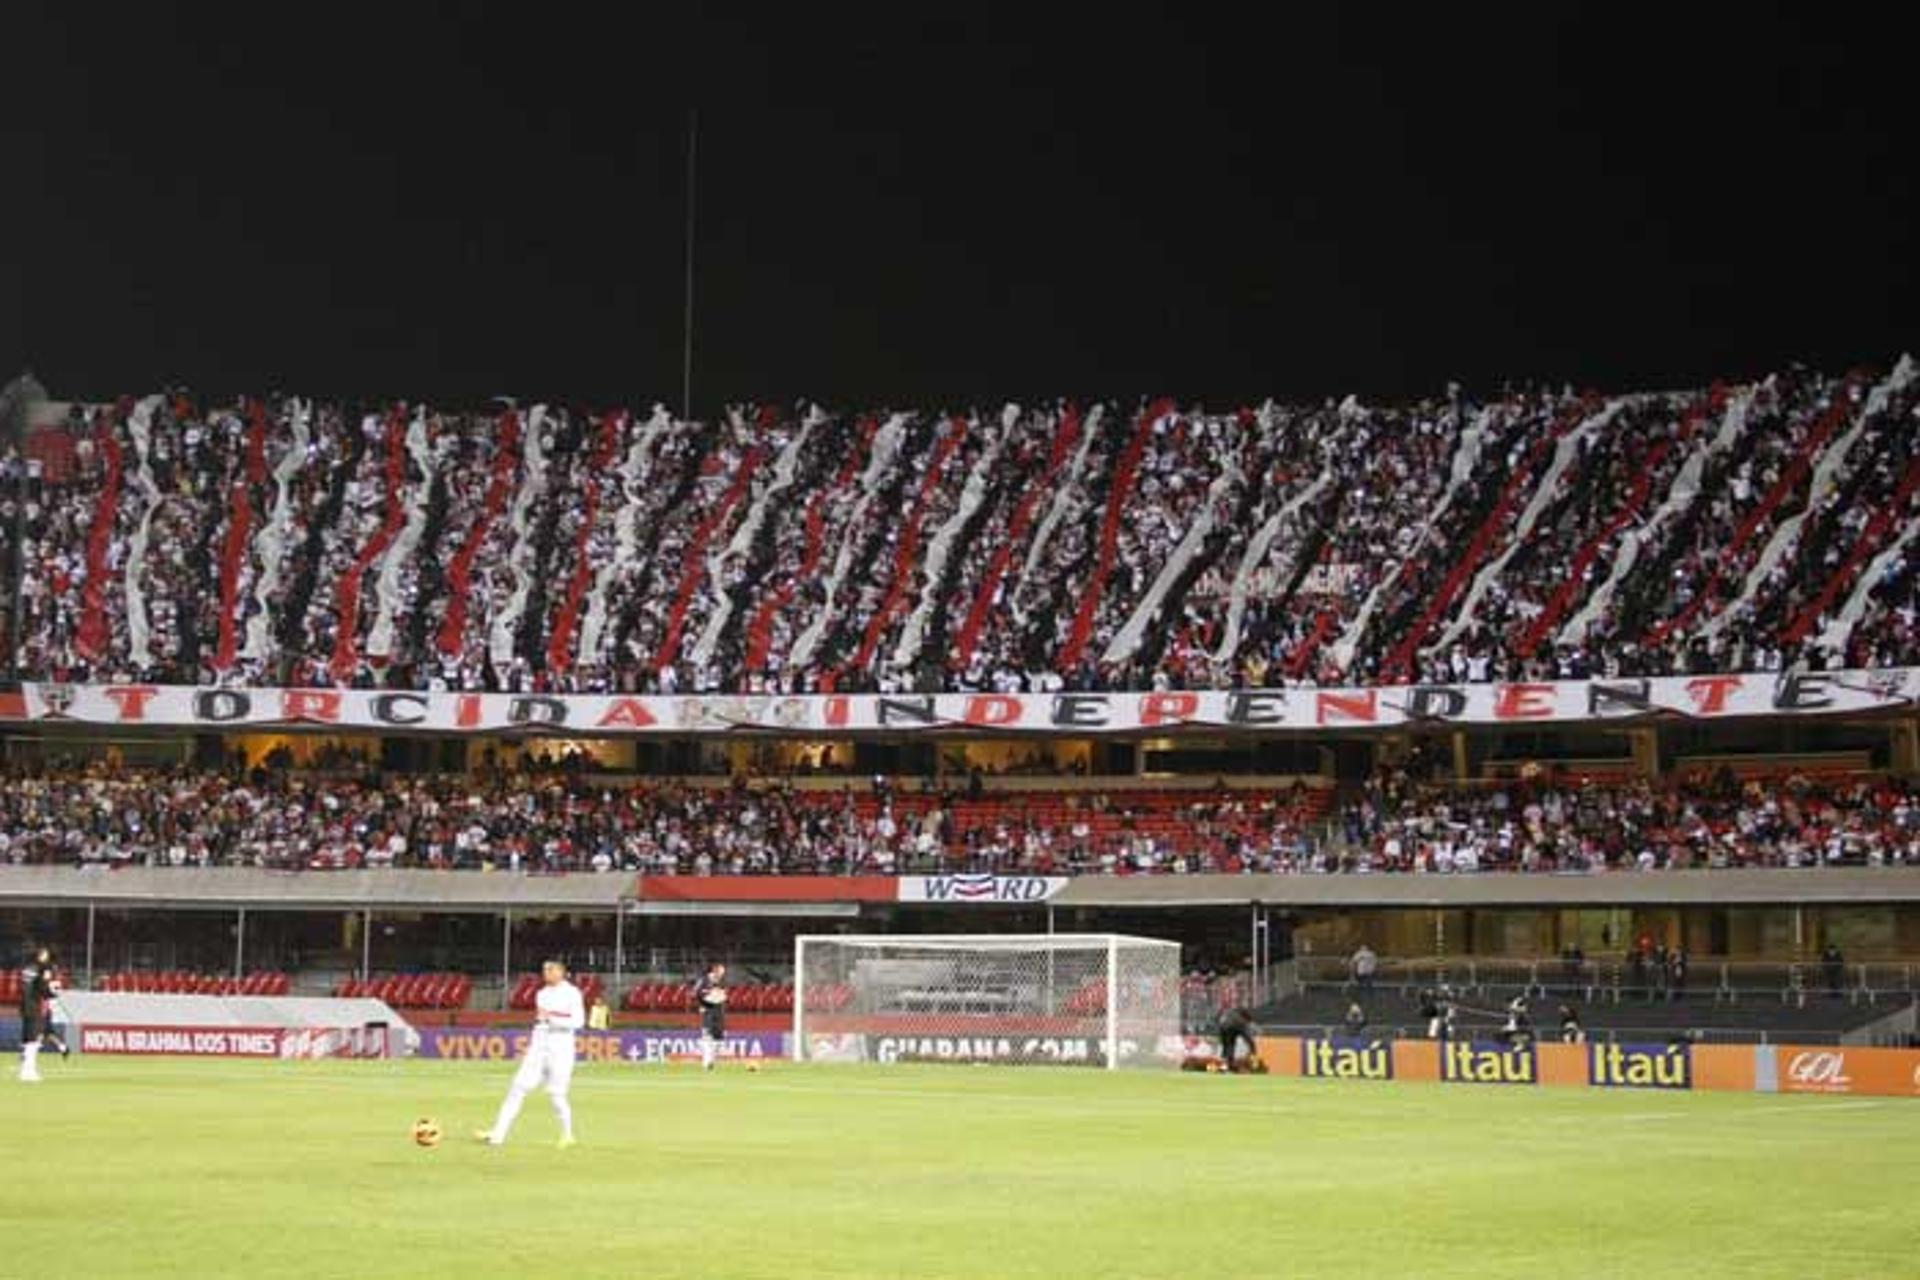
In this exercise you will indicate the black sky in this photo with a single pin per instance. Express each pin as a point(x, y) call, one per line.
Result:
point(408, 200)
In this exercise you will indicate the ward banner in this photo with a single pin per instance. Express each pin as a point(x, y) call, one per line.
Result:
point(981, 888)
point(1704, 697)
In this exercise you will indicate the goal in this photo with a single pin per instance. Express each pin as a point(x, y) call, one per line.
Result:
point(1078, 999)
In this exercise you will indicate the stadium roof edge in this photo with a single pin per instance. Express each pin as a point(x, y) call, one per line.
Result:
point(440, 891)
point(229, 888)
point(1758, 886)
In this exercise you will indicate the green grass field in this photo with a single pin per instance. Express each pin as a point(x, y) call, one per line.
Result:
point(126, 1167)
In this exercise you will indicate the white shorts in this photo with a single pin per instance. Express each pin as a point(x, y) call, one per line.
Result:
point(548, 1061)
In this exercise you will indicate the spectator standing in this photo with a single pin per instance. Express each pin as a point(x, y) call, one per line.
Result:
point(1834, 964)
point(1365, 963)
point(1573, 963)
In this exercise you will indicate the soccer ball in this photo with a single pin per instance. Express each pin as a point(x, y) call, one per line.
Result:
point(752, 1065)
point(426, 1132)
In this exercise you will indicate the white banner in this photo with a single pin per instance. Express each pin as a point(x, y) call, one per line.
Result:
point(989, 889)
point(235, 1042)
point(1713, 697)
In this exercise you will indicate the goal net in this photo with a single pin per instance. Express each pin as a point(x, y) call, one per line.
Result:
point(1092, 999)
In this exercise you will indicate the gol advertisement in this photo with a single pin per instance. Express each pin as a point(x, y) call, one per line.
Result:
point(1744, 1068)
point(1845, 1069)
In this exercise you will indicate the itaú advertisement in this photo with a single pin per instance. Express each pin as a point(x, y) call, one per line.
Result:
point(1737, 1068)
point(1488, 1062)
point(1340, 1058)
point(1640, 1066)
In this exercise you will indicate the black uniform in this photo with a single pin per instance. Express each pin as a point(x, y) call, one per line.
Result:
point(1235, 1025)
point(37, 989)
point(711, 997)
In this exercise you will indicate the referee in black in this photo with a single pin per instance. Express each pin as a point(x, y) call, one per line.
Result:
point(710, 997)
point(39, 986)
point(1236, 1027)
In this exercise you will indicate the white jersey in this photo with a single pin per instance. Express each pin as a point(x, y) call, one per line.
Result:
point(560, 1009)
point(548, 1060)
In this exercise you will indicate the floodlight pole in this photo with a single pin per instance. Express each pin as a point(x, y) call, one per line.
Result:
point(619, 945)
point(506, 958)
point(17, 553)
point(686, 319)
point(1253, 949)
point(798, 1049)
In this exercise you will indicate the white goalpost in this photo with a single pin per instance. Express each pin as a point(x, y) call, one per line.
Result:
point(1076, 999)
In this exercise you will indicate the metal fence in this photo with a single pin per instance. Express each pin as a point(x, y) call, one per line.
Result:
point(1617, 977)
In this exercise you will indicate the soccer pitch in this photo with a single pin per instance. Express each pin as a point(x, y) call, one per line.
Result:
point(124, 1167)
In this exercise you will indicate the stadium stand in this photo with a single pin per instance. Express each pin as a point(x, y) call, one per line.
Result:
point(1559, 823)
point(172, 982)
point(677, 997)
point(527, 986)
point(1647, 992)
point(554, 822)
point(283, 541)
point(557, 822)
point(1688, 1018)
point(411, 991)
point(547, 822)
point(1768, 527)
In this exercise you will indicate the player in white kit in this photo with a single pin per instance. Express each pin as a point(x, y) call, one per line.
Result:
point(558, 1013)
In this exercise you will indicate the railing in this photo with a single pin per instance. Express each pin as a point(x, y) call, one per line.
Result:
point(1615, 977)
point(1594, 1035)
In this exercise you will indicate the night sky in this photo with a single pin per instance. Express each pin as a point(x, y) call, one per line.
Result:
point(407, 201)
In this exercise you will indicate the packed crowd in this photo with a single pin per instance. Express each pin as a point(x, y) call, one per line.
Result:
point(1550, 824)
point(1536, 535)
point(565, 820)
